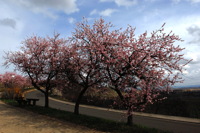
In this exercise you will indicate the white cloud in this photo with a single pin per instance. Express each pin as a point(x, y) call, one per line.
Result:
point(48, 7)
point(107, 12)
point(151, 0)
point(194, 31)
point(191, 1)
point(8, 22)
point(93, 12)
point(126, 3)
point(194, 1)
point(176, 1)
point(106, 0)
point(71, 20)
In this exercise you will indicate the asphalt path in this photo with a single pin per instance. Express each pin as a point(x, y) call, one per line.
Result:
point(167, 123)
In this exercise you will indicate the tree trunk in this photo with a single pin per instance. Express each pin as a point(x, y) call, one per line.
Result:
point(45, 92)
point(130, 115)
point(76, 109)
point(119, 94)
point(46, 99)
point(130, 119)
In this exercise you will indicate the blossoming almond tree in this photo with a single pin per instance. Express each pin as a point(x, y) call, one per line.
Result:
point(83, 68)
point(136, 68)
point(41, 59)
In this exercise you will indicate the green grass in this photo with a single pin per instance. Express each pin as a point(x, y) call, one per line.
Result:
point(10, 102)
point(88, 121)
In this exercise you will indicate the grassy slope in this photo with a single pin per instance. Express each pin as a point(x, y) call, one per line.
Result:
point(88, 121)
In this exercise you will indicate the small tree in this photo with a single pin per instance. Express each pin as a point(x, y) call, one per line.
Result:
point(41, 59)
point(136, 68)
point(13, 84)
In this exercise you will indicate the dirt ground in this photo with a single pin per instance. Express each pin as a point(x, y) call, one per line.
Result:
point(16, 120)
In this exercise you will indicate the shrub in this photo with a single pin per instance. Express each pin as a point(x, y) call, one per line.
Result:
point(12, 85)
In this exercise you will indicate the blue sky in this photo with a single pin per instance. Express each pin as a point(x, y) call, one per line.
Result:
point(20, 19)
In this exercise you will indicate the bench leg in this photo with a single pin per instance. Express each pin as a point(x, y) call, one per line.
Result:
point(24, 103)
point(29, 102)
point(34, 103)
point(20, 103)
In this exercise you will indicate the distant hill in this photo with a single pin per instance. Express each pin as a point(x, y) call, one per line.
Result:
point(187, 88)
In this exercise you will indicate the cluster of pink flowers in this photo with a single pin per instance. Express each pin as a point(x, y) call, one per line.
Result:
point(13, 80)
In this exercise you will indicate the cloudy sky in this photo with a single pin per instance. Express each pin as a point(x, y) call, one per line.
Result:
point(20, 19)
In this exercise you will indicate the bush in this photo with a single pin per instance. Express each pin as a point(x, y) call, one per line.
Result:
point(12, 85)
point(185, 104)
point(11, 93)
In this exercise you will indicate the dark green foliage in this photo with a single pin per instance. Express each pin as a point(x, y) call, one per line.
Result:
point(178, 103)
point(10, 102)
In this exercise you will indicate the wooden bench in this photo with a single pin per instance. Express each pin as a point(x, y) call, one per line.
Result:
point(21, 102)
point(31, 101)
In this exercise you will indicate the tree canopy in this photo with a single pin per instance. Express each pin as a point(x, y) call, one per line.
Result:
point(136, 68)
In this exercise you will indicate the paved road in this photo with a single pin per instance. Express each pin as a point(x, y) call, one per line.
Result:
point(175, 124)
